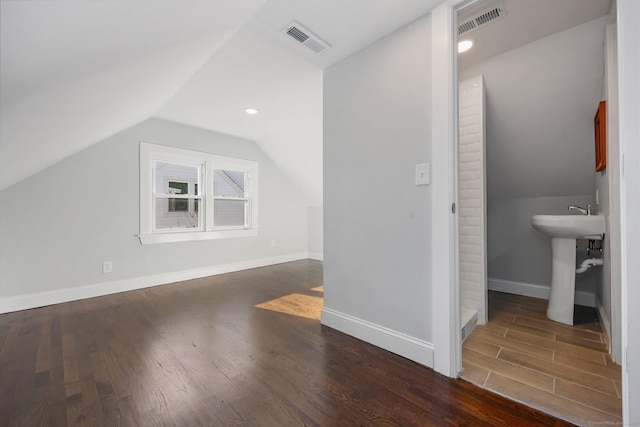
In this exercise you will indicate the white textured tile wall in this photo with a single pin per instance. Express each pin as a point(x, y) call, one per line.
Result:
point(471, 197)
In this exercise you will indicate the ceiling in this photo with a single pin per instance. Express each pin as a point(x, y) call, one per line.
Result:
point(524, 22)
point(543, 69)
point(74, 73)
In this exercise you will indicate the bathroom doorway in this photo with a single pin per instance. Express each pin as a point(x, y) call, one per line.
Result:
point(517, 338)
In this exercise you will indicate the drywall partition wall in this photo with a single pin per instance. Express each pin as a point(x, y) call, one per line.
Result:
point(629, 102)
point(607, 186)
point(376, 220)
point(472, 226)
point(59, 225)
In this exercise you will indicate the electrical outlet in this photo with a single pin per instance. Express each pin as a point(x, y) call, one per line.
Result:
point(273, 243)
point(107, 267)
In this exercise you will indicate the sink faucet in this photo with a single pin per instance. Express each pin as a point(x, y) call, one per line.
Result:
point(584, 211)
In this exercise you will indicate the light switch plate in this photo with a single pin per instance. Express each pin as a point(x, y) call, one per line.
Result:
point(422, 174)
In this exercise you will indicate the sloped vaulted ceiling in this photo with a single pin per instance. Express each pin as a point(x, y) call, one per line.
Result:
point(73, 73)
point(250, 71)
point(76, 72)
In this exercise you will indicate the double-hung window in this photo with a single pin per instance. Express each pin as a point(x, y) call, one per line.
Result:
point(189, 195)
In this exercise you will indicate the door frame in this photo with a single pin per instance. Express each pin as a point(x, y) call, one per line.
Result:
point(444, 94)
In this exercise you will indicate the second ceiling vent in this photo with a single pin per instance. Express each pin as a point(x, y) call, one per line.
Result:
point(305, 37)
point(490, 14)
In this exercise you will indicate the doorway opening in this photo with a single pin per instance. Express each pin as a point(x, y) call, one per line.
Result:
point(503, 264)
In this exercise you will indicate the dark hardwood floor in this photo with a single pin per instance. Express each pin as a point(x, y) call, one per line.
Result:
point(218, 351)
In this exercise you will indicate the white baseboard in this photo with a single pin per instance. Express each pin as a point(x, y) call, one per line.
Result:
point(396, 342)
point(469, 321)
point(536, 291)
point(40, 299)
point(606, 324)
point(318, 256)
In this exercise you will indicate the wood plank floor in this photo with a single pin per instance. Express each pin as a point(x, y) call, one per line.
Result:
point(563, 370)
point(240, 349)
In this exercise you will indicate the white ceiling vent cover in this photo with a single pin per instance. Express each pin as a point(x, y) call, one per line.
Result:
point(488, 15)
point(305, 37)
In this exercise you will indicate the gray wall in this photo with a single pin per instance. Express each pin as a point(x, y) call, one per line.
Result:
point(376, 221)
point(541, 99)
point(519, 253)
point(59, 225)
point(314, 218)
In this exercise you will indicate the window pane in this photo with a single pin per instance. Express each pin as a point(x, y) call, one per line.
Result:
point(228, 212)
point(171, 178)
point(167, 218)
point(178, 205)
point(228, 183)
point(178, 187)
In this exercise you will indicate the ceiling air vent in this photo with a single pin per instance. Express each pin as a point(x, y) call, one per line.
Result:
point(305, 37)
point(479, 19)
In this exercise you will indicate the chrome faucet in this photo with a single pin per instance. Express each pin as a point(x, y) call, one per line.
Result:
point(584, 211)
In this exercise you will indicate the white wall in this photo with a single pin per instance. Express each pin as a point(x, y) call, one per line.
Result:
point(629, 92)
point(607, 185)
point(376, 220)
point(59, 225)
point(315, 221)
point(472, 223)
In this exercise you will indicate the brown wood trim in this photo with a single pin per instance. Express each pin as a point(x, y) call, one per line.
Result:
point(600, 128)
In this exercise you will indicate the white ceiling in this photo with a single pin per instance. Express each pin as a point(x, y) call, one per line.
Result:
point(543, 67)
point(74, 73)
point(524, 22)
point(540, 102)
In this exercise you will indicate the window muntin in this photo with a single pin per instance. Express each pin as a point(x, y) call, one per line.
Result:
point(184, 192)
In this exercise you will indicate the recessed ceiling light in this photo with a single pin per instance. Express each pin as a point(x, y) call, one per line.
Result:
point(465, 45)
point(251, 111)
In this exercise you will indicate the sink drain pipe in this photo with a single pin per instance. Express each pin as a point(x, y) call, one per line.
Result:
point(588, 263)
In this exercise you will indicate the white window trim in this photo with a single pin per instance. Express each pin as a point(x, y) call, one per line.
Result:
point(150, 153)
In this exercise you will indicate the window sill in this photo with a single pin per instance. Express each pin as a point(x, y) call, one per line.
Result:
point(189, 236)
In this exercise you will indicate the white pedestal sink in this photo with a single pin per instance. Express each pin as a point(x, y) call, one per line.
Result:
point(564, 230)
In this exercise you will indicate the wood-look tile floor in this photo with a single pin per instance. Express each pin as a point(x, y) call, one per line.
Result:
point(563, 370)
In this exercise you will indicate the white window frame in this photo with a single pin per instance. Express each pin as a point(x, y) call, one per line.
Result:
point(234, 165)
point(152, 153)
